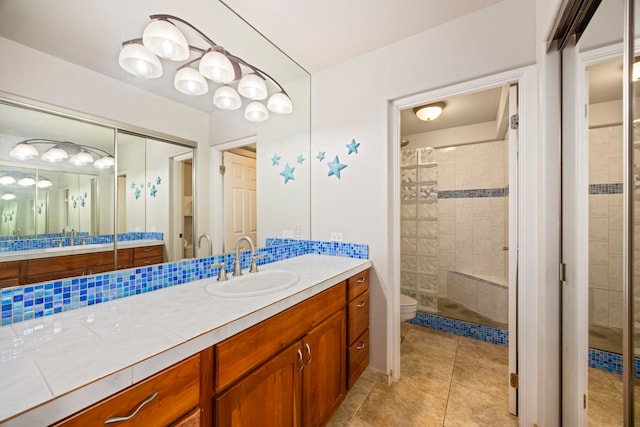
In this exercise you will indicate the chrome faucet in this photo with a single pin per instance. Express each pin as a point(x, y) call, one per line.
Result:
point(206, 236)
point(72, 240)
point(237, 269)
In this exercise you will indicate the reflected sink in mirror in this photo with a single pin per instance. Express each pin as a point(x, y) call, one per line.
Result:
point(254, 284)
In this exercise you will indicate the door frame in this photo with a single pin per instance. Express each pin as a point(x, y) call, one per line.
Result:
point(529, 253)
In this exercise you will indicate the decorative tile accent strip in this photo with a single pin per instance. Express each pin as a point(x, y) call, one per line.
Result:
point(459, 327)
point(606, 188)
point(473, 193)
point(44, 299)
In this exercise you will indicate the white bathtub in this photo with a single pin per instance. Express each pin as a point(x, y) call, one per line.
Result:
point(486, 295)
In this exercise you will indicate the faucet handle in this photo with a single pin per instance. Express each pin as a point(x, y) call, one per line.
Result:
point(222, 274)
point(254, 265)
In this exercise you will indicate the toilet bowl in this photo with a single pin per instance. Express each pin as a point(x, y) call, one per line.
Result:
point(408, 307)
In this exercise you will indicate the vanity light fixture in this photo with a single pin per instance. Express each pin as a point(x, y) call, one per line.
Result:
point(8, 196)
point(163, 39)
point(27, 181)
point(7, 180)
point(430, 111)
point(44, 183)
point(57, 151)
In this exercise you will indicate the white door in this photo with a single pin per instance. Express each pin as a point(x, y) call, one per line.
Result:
point(513, 249)
point(239, 181)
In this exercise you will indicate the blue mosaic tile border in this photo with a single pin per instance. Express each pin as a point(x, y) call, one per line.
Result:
point(47, 298)
point(473, 193)
point(459, 327)
point(53, 240)
point(606, 188)
point(610, 362)
point(349, 250)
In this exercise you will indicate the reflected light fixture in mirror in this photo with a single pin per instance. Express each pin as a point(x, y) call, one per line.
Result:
point(162, 38)
point(636, 70)
point(8, 196)
point(78, 155)
point(430, 111)
point(23, 180)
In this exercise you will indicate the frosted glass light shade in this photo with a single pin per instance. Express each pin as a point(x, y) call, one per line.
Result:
point(55, 155)
point(81, 158)
point(256, 112)
point(104, 162)
point(165, 40)
point(7, 180)
point(27, 181)
point(23, 151)
point(280, 103)
point(216, 66)
point(190, 82)
point(226, 98)
point(429, 112)
point(253, 87)
point(138, 60)
point(44, 183)
point(8, 196)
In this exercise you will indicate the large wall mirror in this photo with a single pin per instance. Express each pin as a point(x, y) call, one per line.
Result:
point(66, 184)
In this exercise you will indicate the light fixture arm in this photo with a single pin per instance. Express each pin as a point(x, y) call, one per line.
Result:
point(65, 143)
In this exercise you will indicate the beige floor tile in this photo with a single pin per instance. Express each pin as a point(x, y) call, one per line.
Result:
point(400, 405)
point(468, 407)
point(604, 407)
point(354, 399)
point(423, 374)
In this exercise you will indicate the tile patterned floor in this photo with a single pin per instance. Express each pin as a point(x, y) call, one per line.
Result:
point(446, 380)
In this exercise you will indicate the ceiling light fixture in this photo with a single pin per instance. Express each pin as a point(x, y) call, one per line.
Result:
point(430, 111)
point(162, 38)
point(57, 151)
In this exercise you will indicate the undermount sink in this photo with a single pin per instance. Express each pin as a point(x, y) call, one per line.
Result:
point(253, 284)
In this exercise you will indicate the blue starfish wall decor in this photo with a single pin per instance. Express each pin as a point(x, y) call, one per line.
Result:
point(287, 173)
point(275, 160)
point(320, 156)
point(335, 167)
point(353, 146)
point(300, 159)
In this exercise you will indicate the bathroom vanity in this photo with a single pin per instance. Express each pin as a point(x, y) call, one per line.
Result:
point(71, 261)
point(183, 356)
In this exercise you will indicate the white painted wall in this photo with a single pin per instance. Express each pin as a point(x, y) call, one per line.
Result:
point(351, 100)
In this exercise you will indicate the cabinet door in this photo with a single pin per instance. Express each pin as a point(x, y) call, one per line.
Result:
point(324, 374)
point(268, 397)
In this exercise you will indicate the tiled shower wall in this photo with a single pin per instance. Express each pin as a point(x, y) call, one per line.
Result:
point(419, 227)
point(605, 226)
point(472, 210)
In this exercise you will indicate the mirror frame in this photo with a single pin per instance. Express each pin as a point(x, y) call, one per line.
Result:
point(17, 101)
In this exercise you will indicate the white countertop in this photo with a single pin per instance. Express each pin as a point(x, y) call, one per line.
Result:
point(54, 366)
point(6, 256)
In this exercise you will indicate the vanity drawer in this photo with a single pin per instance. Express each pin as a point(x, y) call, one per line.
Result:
point(178, 392)
point(9, 270)
point(239, 354)
point(148, 255)
point(357, 316)
point(357, 358)
point(357, 284)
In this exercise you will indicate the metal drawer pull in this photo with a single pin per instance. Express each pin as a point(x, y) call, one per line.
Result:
point(118, 419)
point(361, 304)
point(308, 352)
point(147, 250)
point(360, 346)
point(360, 280)
point(301, 367)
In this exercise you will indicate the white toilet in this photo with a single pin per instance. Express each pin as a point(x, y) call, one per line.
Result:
point(408, 307)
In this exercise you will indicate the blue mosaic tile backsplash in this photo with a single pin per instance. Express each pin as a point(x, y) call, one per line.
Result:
point(44, 241)
point(44, 299)
point(615, 188)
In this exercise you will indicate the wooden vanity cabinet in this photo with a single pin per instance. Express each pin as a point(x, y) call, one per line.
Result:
point(148, 255)
point(357, 326)
point(171, 397)
point(288, 370)
point(9, 274)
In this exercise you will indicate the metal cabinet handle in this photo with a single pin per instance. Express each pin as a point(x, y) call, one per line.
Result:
point(308, 353)
point(147, 250)
point(361, 304)
point(128, 417)
point(301, 367)
point(360, 280)
point(360, 346)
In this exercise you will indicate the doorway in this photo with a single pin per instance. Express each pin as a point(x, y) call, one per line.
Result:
point(526, 270)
